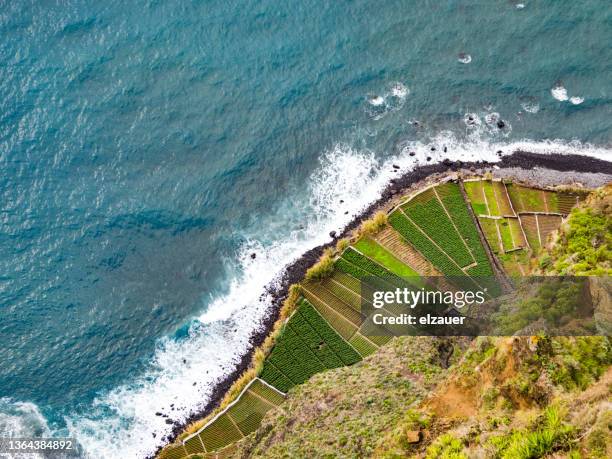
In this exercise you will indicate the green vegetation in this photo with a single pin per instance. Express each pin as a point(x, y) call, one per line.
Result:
point(516, 233)
point(556, 301)
point(346, 412)
point(426, 211)
point(220, 433)
point(548, 433)
point(308, 345)
point(530, 226)
point(476, 195)
point(446, 447)
point(452, 199)
point(378, 253)
point(489, 228)
point(323, 268)
point(504, 229)
point(527, 199)
point(364, 346)
point(491, 198)
point(373, 268)
point(411, 233)
point(585, 241)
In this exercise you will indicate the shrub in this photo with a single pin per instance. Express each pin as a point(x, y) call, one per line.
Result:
point(323, 268)
point(446, 447)
point(374, 224)
point(553, 434)
point(342, 244)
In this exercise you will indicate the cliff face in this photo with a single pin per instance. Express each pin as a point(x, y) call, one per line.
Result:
point(502, 397)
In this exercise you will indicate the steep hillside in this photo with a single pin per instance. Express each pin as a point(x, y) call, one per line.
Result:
point(503, 397)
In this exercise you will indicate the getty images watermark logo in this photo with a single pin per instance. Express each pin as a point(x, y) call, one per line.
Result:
point(412, 298)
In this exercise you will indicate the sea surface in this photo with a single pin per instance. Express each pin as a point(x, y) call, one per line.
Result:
point(148, 148)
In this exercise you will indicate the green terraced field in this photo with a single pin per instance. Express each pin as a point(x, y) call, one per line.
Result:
point(491, 198)
point(515, 231)
point(266, 392)
point(427, 248)
point(378, 253)
point(220, 433)
point(324, 330)
point(504, 229)
point(248, 412)
point(527, 199)
point(452, 199)
point(427, 212)
point(475, 193)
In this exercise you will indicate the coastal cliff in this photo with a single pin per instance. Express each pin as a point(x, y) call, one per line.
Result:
point(500, 219)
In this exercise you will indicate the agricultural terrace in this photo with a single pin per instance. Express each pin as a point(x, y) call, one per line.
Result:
point(456, 229)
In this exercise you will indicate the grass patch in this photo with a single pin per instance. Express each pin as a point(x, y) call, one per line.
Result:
point(378, 253)
point(491, 199)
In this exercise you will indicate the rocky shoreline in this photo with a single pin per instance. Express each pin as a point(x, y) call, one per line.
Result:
point(527, 166)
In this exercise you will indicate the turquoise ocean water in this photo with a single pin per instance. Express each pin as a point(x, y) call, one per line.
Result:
point(147, 148)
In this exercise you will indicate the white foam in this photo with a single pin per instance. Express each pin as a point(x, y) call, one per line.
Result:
point(559, 93)
point(399, 90)
point(464, 58)
point(471, 120)
point(531, 107)
point(520, 6)
point(576, 100)
point(492, 118)
point(376, 101)
point(19, 420)
point(124, 419)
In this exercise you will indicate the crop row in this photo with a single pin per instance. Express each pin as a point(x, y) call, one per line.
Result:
point(504, 230)
point(547, 224)
point(526, 199)
point(432, 219)
point(274, 377)
point(566, 201)
point(319, 347)
point(172, 452)
point(502, 198)
point(248, 412)
point(457, 208)
point(220, 433)
point(379, 254)
point(364, 276)
point(530, 226)
point(348, 296)
point(301, 351)
point(515, 231)
point(266, 392)
point(363, 346)
point(347, 354)
point(487, 186)
point(411, 233)
point(343, 326)
point(331, 300)
point(476, 195)
point(371, 267)
point(194, 445)
point(292, 366)
point(489, 228)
